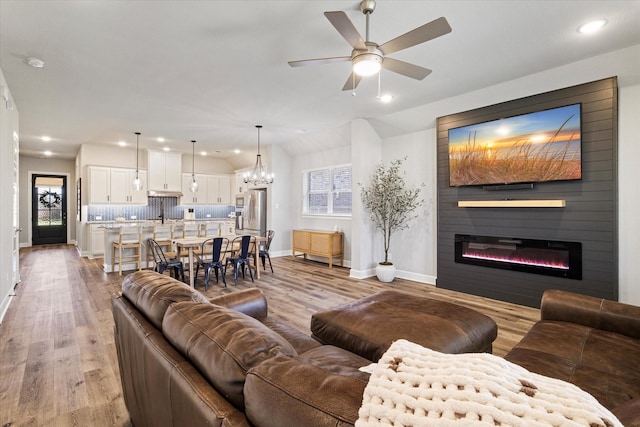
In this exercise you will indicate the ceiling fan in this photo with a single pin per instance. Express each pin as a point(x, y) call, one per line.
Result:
point(367, 57)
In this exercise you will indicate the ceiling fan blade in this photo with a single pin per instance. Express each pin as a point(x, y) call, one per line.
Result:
point(429, 31)
point(406, 69)
point(352, 82)
point(345, 27)
point(317, 61)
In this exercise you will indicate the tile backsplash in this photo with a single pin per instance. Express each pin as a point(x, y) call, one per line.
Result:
point(172, 210)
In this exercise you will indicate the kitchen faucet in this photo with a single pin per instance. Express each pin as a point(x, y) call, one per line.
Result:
point(161, 216)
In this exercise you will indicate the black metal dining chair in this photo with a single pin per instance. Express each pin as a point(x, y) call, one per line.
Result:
point(210, 257)
point(263, 252)
point(164, 261)
point(240, 256)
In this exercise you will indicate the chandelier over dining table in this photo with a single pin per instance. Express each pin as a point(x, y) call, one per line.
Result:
point(259, 174)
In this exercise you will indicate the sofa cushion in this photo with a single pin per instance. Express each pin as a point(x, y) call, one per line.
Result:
point(223, 344)
point(290, 391)
point(160, 387)
point(297, 339)
point(603, 363)
point(152, 293)
point(369, 325)
point(336, 360)
point(628, 413)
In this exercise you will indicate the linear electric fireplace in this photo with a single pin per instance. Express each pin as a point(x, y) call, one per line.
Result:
point(548, 257)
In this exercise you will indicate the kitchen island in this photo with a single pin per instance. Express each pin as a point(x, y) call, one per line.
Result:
point(111, 232)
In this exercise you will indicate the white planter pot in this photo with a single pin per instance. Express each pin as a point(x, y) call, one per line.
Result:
point(386, 273)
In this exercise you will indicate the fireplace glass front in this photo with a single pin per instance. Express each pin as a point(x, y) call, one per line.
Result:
point(548, 257)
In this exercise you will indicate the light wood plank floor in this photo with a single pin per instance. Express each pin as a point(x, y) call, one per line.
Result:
point(58, 364)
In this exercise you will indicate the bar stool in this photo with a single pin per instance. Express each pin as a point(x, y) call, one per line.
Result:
point(191, 229)
point(210, 229)
point(128, 248)
point(163, 236)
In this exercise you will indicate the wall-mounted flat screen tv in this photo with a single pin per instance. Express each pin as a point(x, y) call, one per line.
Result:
point(535, 147)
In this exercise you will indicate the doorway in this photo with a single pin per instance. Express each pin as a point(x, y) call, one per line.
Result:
point(49, 209)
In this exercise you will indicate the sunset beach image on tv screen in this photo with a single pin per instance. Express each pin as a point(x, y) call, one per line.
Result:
point(536, 147)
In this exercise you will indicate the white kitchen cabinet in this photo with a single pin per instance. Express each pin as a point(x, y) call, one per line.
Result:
point(229, 227)
point(212, 190)
point(199, 197)
point(99, 185)
point(219, 189)
point(165, 171)
point(239, 185)
point(97, 240)
point(138, 197)
point(113, 186)
point(122, 191)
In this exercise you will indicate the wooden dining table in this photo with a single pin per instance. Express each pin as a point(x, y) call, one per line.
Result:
point(191, 243)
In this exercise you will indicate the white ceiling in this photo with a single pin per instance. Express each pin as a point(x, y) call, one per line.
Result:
point(211, 70)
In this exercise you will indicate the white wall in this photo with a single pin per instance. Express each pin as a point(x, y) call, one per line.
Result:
point(367, 248)
point(339, 153)
point(629, 194)
point(279, 200)
point(8, 194)
point(412, 250)
point(36, 165)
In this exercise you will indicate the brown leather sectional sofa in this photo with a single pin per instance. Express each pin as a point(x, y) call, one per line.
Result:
point(243, 368)
point(224, 380)
point(591, 342)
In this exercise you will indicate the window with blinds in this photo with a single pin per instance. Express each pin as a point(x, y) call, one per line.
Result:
point(327, 191)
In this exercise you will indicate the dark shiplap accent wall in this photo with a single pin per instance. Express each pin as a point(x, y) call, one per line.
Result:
point(590, 216)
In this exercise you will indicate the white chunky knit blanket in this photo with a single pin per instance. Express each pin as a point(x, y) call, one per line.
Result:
point(414, 386)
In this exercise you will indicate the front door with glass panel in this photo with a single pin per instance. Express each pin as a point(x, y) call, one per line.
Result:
point(49, 205)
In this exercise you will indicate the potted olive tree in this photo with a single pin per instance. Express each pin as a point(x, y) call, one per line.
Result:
point(391, 205)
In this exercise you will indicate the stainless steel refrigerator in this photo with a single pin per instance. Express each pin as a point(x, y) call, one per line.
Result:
point(255, 213)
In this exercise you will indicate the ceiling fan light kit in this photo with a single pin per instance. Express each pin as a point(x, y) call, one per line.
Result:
point(367, 64)
point(368, 57)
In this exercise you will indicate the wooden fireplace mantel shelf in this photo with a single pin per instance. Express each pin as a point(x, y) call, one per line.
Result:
point(512, 203)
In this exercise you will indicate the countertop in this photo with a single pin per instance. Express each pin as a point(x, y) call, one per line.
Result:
point(166, 221)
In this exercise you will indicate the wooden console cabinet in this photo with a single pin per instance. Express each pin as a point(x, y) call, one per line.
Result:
point(327, 244)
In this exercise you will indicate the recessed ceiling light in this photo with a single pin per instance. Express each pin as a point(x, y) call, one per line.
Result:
point(385, 98)
point(203, 153)
point(592, 27)
point(236, 151)
point(35, 62)
point(48, 153)
point(160, 139)
point(122, 143)
point(166, 148)
point(46, 138)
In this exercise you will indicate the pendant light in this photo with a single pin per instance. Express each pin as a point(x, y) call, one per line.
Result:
point(137, 182)
point(259, 175)
point(193, 187)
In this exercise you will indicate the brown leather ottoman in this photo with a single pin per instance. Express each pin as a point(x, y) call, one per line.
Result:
point(369, 325)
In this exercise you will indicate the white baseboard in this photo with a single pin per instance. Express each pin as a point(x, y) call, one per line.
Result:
point(6, 302)
point(401, 274)
point(416, 277)
point(362, 274)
